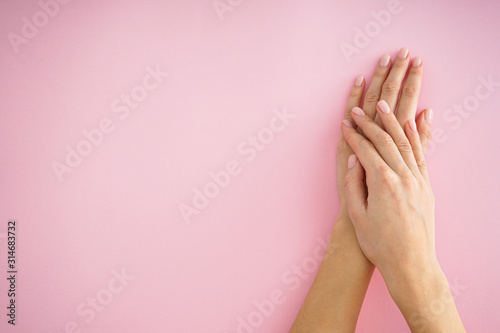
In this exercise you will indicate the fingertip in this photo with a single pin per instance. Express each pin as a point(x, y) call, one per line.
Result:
point(410, 129)
point(351, 162)
point(383, 107)
point(359, 81)
point(358, 111)
point(347, 123)
point(412, 125)
point(429, 113)
point(424, 118)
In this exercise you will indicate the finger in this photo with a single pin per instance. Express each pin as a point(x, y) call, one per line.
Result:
point(355, 95)
point(382, 141)
point(354, 188)
point(372, 95)
point(414, 139)
point(424, 128)
point(407, 107)
point(368, 156)
point(391, 87)
point(398, 135)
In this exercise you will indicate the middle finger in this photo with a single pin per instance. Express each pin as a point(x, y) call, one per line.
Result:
point(391, 87)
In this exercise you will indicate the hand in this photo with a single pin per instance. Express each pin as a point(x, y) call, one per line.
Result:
point(394, 214)
point(386, 84)
point(391, 205)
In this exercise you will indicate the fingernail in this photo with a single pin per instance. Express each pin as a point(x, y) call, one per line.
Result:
point(351, 162)
point(359, 81)
point(428, 115)
point(413, 126)
point(403, 53)
point(416, 61)
point(383, 107)
point(358, 111)
point(384, 61)
point(347, 123)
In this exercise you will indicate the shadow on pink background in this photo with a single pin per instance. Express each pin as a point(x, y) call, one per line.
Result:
point(102, 244)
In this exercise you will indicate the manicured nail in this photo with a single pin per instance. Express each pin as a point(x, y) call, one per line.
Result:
point(383, 107)
point(413, 126)
point(359, 81)
point(347, 123)
point(403, 53)
point(351, 162)
point(428, 115)
point(416, 61)
point(358, 111)
point(384, 61)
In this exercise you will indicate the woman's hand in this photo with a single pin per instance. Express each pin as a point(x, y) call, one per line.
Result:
point(391, 206)
point(386, 84)
point(394, 212)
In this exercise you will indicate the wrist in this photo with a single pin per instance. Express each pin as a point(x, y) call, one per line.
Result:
point(344, 242)
point(416, 286)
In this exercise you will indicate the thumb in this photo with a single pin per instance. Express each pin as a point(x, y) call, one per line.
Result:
point(354, 187)
point(424, 128)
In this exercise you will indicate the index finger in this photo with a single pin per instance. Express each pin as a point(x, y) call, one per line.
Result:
point(365, 151)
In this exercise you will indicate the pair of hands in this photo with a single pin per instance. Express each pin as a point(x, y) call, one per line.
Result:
point(386, 193)
point(386, 215)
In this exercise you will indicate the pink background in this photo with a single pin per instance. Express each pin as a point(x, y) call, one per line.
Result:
point(119, 209)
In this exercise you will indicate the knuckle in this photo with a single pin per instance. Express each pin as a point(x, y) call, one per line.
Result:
point(387, 180)
point(426, 133)
point(404, 146)
point(365, 145)
point(408, 180)
point(372, 97)
point(382, 171)
point(383, 138)
point(390, 87)
point(388, 183)
point(410, 90)
point(346, 181)
point(421, 163)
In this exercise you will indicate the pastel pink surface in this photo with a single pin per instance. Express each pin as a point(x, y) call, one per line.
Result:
point(119, 209)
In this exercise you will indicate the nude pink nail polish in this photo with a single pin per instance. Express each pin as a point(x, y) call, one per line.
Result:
point(359, 81)
point(347, 123)
point(413, 126)
point(384, 61)
point(383, 107)
point(358, 111)
point(428, 115)
point(351, 162)
point(403, 53)
point(417, 61)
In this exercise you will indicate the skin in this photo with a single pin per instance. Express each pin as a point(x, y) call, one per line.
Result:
point(391, 206)
point(335, 298)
